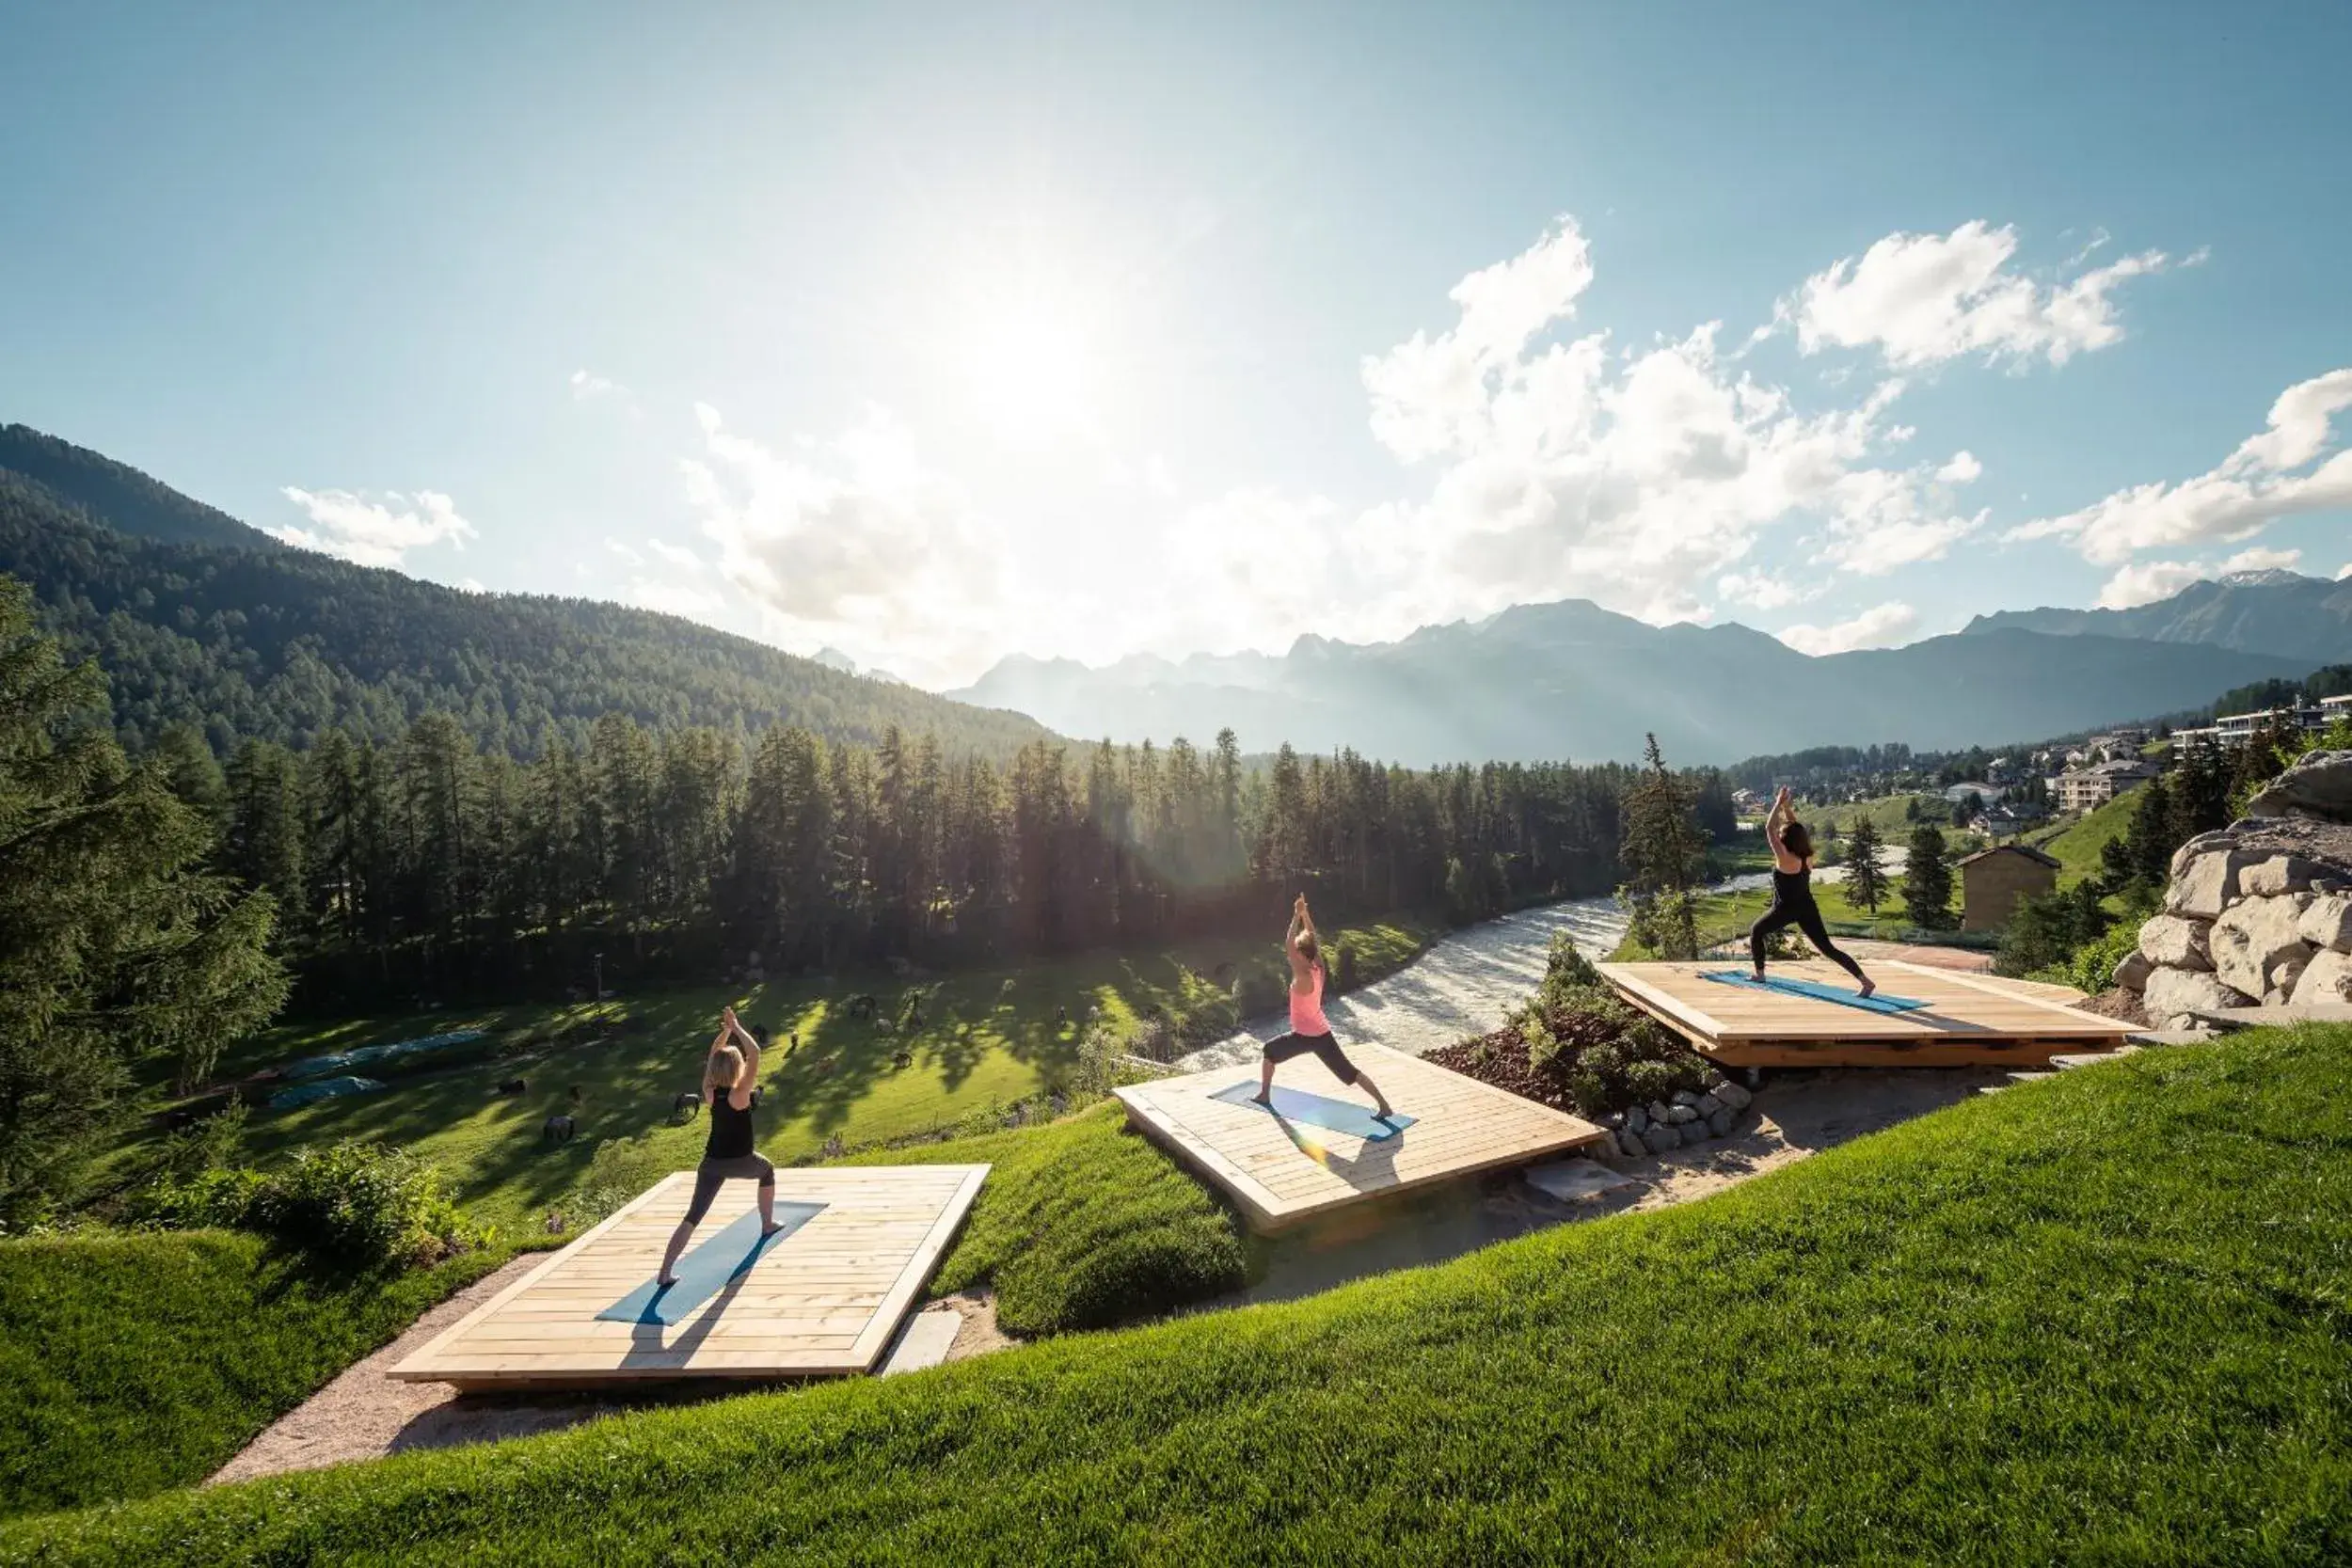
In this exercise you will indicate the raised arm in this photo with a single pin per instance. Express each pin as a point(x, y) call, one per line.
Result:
point(710, 1085)
point(749, 1044)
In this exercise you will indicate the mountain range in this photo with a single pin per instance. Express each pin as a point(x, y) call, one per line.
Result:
point(1573, 679)
point(198, 618)
point(2279, 612)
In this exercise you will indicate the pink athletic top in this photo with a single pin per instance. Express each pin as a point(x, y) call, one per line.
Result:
point(1307, 1006)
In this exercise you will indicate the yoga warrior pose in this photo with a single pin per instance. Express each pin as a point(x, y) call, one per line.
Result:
point(1792, 892)
point(1308, 1032)
point(729, 1076)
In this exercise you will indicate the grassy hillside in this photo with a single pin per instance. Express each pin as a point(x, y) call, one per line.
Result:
point(133, 1363)
point(1083, 1225)
point(987, 1039)
point(253, 640)
point(2077, 845)
point(2100, 1318)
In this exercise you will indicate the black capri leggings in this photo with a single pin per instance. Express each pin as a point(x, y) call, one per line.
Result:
point(1326, 1049)
point(744, 1167)
point(1806, 916)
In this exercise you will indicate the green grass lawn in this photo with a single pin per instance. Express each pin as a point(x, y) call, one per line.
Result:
point(131, 1362)
point(2101, 1317)
point(988, 1039)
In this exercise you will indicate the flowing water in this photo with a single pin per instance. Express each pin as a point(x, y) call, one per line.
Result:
point(1462, 985)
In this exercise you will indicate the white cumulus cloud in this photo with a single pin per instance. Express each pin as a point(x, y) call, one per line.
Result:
point(1880, 626)
point(852, 540)
point(2253, 487)
point(1921, 299)
point(1759, 590)
point(1566, 468)
point(377, 532)
point(587, 384)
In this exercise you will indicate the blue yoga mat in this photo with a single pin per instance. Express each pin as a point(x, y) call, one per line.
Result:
point(1880, 1003)
point(1333, 1115)
point(705, 1269)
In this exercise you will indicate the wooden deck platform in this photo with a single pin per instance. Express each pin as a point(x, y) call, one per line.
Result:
point(826, 1300)
point(1969, 1019)
point(1280, 1173)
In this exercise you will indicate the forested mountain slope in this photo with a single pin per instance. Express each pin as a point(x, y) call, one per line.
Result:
point(253, 640)
point(2284, 613)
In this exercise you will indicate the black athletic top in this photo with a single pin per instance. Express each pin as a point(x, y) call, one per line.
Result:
point(730, 1131)
point(1791, 888)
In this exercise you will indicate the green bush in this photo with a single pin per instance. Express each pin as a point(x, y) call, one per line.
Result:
point(361, 1205)
point(2093, 968)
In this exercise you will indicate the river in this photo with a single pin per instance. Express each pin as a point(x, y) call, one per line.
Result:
point(1463, 984)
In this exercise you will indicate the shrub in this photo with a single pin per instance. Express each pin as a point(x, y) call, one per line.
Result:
point(219, 1196)
point(2093, 968)
point(362, 1205)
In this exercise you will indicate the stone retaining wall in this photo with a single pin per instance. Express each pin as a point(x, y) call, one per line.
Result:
point(2259, 912)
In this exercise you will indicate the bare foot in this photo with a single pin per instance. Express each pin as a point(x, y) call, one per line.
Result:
point(768, 1230)
point(664, 1284)
point(1260, 1100)
point(1867, 987)
point(1386, 1113)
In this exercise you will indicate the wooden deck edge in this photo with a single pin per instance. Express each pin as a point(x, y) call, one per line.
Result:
point(413, 1370)
point(919, 1267)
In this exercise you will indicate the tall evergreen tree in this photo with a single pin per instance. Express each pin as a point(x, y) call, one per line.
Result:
point(1664, 856)
point(1866, 879)
point(1928, 880)
point(115, 944)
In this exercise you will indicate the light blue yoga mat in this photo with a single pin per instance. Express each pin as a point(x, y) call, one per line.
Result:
point(1333, 1116)
point(705, 1269)
point(1880, 1003)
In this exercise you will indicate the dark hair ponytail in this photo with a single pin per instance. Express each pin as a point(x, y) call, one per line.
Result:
point(1799, 843)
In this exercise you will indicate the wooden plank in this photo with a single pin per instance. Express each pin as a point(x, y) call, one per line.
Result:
point(1462, 1126)
point(825, 1301)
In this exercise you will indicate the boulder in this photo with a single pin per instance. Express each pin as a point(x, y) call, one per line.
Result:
point(2318, 785)
point(1629, 1145)
point(2284, 974)
point(2280, 874)
point(1657, 1111)
point(2327, 978)
point(2327, 922)
point(1707, 1105)
point(2207, 884)
point(2132, 973)
point(2177, 941)
point(1735, 1098)
point(1681, 1116)
point(2252, 938)
point(2177, 992)
point(1660, 1139)
point(2198, 846)
point(1720, 1123)
point(1684, 1097)
point(1637, 1122)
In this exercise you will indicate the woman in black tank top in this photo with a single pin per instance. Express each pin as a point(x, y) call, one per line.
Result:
point(1792, 892)
point(730, 1077)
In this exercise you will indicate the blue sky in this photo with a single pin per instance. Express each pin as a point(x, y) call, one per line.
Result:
point(940, 333)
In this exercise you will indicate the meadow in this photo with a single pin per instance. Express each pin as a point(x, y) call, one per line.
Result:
point(2097, 1318)
point(987, 1040)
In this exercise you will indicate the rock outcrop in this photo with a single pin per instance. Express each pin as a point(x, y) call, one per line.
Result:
point(2259, 912)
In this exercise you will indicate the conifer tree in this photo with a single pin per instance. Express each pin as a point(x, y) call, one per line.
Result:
point(115, 944)
point(1928, 880)
point(1866, 879)
point(1665, 857)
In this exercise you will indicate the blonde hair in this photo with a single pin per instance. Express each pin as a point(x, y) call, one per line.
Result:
point(727, 1066)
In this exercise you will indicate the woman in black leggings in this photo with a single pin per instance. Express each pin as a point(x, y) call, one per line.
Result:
point(1792, 892)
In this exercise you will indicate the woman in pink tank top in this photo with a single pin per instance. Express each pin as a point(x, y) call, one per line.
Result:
point(1308, 1030)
